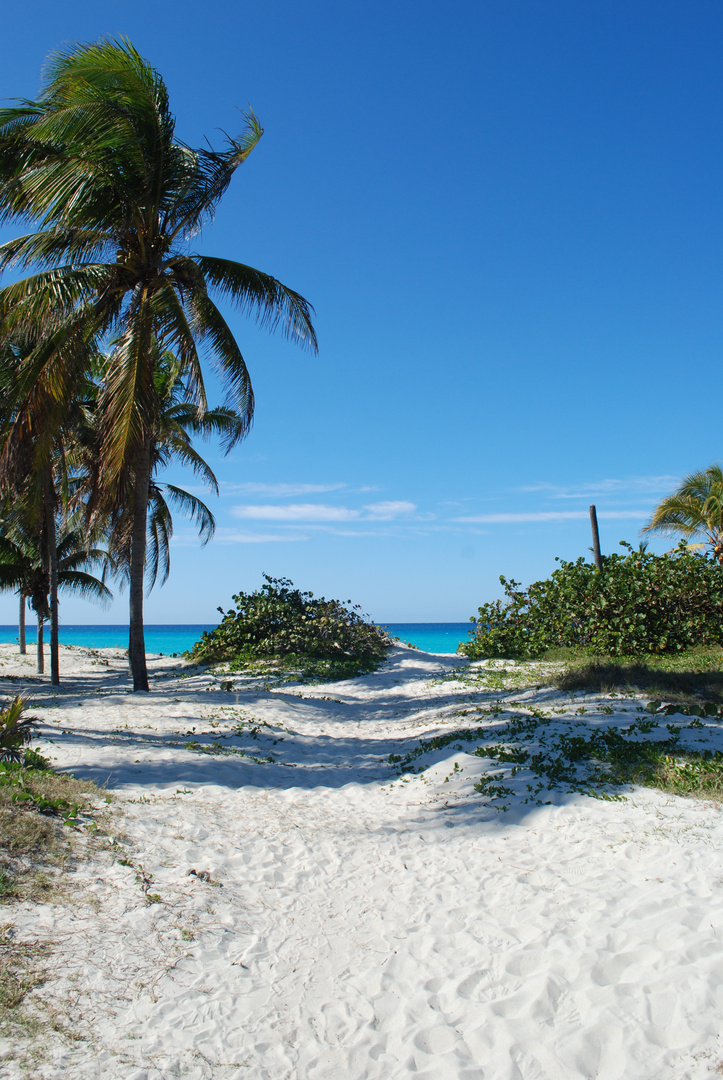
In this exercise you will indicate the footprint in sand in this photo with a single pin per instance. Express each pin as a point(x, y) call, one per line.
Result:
point(436, 1040)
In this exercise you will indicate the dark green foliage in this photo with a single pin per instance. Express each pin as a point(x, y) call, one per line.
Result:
point(322, 638)
point(640, 603)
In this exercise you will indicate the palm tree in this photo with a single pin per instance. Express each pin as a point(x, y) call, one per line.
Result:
point(118, 199)
point(41, 442)
point(24, 567)
point(694, 509)
point(176, 421)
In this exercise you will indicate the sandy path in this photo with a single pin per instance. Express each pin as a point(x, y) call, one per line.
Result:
point(359, 925)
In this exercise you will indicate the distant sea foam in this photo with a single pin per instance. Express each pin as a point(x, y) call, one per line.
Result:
point(177, 637)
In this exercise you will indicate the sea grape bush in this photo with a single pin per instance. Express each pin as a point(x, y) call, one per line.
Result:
point(281, 622)
point(639, 603)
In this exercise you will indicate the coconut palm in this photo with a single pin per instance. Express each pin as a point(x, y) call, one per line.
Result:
point(24, 567)
point(34, 481)
point(177, 421)
point(95, 163)
point(694, 509)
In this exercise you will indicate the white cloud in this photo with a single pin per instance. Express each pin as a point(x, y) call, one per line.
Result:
point(551, 515)
point(631, 485)
point(277, 491)
point(295, 512)
point(231, 536)
point(385, 511)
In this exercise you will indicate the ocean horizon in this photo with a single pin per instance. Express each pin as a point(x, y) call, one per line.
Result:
point(170, 638)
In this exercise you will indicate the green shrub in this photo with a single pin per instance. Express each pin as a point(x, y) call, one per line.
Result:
point(640, 603)
point(323, 638)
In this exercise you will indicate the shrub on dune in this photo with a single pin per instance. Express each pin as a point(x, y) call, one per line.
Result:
point(640, 604)
point(296, 631)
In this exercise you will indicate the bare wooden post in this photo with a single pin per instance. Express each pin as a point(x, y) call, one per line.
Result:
point(595, 538)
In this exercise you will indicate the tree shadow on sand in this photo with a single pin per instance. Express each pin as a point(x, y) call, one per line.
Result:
point(393, 728)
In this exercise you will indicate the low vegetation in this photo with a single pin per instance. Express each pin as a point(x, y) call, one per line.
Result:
point(280, 629)
point(691, 681)
point(539, 752)
point(639, 605)
point(38, 810)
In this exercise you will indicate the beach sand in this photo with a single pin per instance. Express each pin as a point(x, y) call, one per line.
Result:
point(359, 924)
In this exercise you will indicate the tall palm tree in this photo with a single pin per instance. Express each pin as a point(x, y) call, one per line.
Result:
point(176, 422)
point(24, 567)
point(694, 509)
point(40, 440)
point(94, 162)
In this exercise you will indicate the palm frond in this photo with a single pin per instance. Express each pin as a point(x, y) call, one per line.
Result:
point(84, 585)
point(210, 177)
point(695, 508)
point(273, 305)
point(127, 398)
point(193, 508)
point(54, 246)
point(160, 530)
point(186, 456)
point(226, 356)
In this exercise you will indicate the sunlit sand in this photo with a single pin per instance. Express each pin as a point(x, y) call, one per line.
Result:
point(346, 922)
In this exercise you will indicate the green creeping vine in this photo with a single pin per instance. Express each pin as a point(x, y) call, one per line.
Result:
point(593, 764)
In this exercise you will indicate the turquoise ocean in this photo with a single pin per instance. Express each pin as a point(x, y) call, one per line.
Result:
point(177, 637)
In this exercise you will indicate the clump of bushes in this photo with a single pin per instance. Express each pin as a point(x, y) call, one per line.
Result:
point(294, 631)
point(639, 604)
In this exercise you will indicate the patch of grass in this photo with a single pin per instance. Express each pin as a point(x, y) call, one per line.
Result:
point(687, 678)
point(36, 805)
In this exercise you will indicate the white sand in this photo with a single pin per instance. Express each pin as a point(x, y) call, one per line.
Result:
point(359, 925)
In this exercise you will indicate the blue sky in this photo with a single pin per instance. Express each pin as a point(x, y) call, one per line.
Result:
point(507, 216)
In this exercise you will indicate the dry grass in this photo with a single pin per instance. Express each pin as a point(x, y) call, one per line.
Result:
point(36, 807)
point(38, 837)
point(18, 970)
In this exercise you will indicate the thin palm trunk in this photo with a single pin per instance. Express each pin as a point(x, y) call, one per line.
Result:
point(41, 657)
point(52, 542)
point(136, 637)
point(21, 625)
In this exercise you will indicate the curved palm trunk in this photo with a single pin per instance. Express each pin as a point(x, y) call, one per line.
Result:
point(52, 542)
point(41, 657)
point(136, 637)
point(21, 625)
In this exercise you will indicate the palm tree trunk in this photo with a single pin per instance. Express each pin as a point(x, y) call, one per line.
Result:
point(41, 657)
point(52, 542)
point(21, 625)
point(136, 637)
